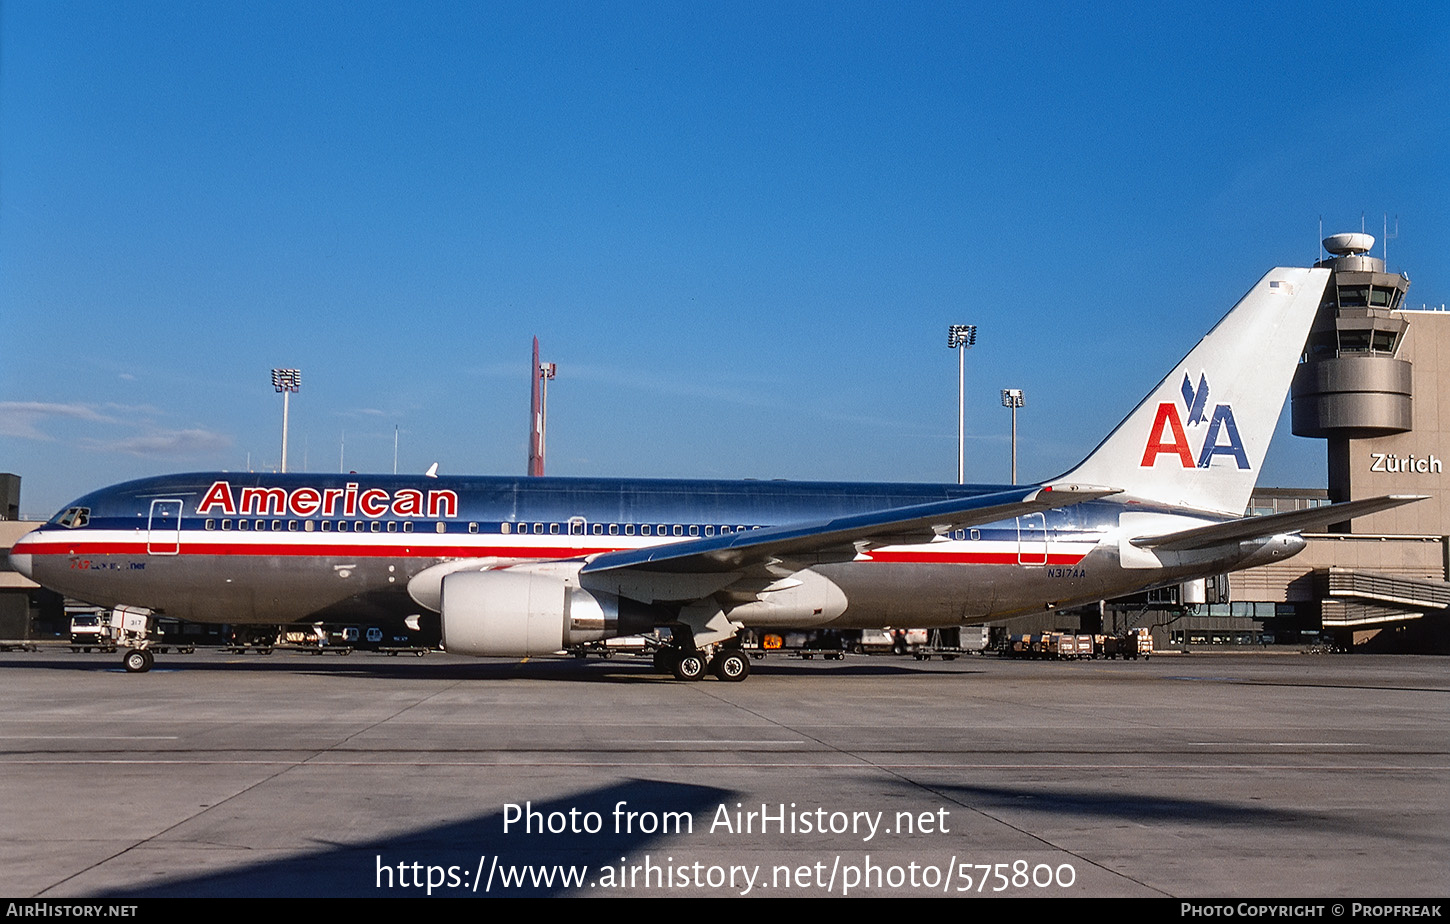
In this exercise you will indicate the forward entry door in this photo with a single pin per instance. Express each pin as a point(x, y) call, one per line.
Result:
point(163, 528)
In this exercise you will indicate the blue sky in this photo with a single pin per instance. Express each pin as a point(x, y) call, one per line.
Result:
point(740, 229)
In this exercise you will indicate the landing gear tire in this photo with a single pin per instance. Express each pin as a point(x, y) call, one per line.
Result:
point(138, 661)
point(664, 660)
point(690, 665)
point(732, 666)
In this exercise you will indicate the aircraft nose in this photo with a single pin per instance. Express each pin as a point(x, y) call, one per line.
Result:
point(20, 560)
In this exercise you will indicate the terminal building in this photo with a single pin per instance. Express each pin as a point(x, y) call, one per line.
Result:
point(1372, 384)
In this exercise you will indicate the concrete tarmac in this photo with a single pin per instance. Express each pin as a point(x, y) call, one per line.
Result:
point(294, 775)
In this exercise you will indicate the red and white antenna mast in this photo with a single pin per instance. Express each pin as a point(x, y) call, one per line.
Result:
point(539, 376)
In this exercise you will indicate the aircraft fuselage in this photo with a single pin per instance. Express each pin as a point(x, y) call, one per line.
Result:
point(243, 548)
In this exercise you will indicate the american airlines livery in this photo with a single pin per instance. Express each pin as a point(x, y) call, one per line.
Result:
point(526, 566)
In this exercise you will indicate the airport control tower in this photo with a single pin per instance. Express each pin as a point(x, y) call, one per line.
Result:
point(1354, 384)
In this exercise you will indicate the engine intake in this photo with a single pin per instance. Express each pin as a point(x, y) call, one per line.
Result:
point(518, 612)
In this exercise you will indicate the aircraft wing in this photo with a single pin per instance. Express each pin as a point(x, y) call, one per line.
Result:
point(843, 538)
point(1274, 524)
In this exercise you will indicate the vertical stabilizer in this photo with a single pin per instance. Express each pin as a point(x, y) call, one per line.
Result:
point(1199, 438)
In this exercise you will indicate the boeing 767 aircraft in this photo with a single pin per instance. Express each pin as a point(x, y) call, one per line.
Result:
point(527, 566)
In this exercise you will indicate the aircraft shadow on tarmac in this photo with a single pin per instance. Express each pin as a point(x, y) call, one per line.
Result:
point(356, 870)
point(1138, 807)
point(593, 670)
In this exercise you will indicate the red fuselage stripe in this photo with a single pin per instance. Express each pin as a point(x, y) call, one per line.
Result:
point(378, 550)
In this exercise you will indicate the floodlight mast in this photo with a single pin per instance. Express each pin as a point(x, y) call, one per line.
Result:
point(286, 381)
point(961, 337)
point(1013, 398)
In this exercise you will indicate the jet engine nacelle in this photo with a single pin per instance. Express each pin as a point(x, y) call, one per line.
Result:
point(518, 612)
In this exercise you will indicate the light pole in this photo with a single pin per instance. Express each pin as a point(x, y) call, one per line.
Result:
point(1013, 398)
point(961, 337)
point(546, 372)
point(286, 381)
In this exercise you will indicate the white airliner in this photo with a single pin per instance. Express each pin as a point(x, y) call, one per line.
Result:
point(527, 566)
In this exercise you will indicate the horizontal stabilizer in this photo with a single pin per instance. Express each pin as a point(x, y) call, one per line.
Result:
point(844, 537)
point(1294, 521)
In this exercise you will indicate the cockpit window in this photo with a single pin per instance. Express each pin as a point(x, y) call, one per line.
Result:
point(74, 517)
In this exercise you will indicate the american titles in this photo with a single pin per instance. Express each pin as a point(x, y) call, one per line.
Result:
point(221, 499)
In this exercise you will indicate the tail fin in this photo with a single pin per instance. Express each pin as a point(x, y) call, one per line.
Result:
point(1198, 439)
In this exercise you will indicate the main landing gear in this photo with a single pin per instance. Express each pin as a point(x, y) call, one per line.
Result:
point(730, 664)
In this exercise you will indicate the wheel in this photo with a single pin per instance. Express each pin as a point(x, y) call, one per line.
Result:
point(419, 654)
point(664, 660)
point(137, 661)
point(689, 666)
point(732, 665)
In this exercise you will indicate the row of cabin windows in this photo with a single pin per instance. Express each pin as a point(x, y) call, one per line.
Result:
point(574, 527)
point(326, 526)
